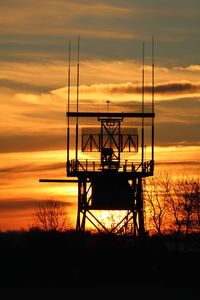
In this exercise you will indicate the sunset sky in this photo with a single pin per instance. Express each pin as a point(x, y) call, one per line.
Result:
point(34, 38)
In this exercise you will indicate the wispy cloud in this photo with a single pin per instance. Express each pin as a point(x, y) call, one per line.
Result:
point(63, 18)
point(33, 142)
point(130, 88)
point(174, 134)
point(192, 68)
point(27, 168)
point(43, 28)
point(183, 111)
point(24, 204)
point(177, 88)
point(180, 163)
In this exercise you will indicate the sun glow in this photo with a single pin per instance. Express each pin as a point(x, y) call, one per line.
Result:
point(108, 219)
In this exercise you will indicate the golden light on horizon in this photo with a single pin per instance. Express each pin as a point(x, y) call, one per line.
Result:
point(27, 168)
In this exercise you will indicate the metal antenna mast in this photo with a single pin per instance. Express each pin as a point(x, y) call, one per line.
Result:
point(77, 98)
point(68, 98)
point(108, 102)
point(153, 92)
point(143, 104)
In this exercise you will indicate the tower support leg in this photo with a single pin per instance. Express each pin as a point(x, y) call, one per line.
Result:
point(140, 210)
point(137, 219)
point(82, 205)
point(78, 220)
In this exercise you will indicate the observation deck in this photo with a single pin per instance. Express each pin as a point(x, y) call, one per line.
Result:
point(88, 168)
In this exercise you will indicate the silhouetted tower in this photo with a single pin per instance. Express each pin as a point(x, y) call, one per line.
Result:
point(108, 157)
point(106, 153)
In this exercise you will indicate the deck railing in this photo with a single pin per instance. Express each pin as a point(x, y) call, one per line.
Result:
point(74, 166)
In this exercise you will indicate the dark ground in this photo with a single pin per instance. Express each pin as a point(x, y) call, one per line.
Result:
point(60, 261)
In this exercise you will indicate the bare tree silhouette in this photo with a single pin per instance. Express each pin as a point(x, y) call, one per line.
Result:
point(156, 195)
point(50, 215)
point(173, 205)
point(196, 195)
point(187, 192)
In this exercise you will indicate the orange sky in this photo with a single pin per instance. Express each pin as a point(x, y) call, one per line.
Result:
point(33, 76)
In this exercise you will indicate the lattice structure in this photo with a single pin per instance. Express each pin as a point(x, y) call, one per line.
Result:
point(110, 178)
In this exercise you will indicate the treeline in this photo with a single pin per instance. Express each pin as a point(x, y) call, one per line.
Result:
point(172, 206)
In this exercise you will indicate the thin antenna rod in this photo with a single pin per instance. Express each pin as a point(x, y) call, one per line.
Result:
point(153, 77)
point(77, 99)
point(68, 98)
point(143, 104)
point(143, 79)
point(108, 102)
point(153, 92)
point(77, 87)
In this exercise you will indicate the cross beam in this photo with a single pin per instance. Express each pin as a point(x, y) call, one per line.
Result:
point(110, 115)
point(59, 180)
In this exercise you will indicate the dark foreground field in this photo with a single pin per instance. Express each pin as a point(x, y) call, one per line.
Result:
point(42, 260)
